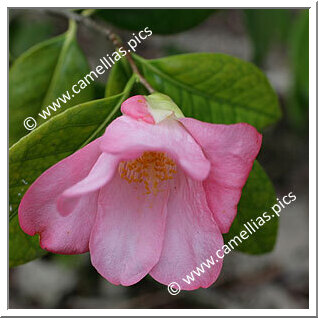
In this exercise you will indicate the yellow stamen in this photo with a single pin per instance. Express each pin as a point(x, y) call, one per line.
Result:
point(151, 169)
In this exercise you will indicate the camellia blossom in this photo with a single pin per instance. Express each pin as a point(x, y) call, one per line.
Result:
point(153, 195)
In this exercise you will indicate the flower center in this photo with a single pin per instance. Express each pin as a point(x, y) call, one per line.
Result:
point(151, 169)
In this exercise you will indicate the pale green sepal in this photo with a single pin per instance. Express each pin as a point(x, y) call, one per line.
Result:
point(162, 106)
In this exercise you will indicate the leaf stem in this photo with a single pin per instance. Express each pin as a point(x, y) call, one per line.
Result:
point(85, 20)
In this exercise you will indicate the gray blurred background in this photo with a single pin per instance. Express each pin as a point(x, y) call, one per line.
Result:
point(275, 280)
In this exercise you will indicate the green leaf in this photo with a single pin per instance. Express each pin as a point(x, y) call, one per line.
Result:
point(22, 247)
point(258, 196)
point(56, 139)
point(43, 74)
point(118, 77)
point(214, 88)
point(265, 27)
point(159, 21)
point(24, 33)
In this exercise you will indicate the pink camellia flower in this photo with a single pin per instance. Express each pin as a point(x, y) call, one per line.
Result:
point(153, 195)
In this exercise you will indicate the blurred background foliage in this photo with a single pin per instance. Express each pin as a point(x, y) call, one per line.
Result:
point(160, 21)
point(277, 41)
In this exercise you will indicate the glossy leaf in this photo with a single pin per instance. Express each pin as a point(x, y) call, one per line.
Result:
point(215, 88)
point(160, 21)
point(41, 75)
point(56, 139)
point(258, 196)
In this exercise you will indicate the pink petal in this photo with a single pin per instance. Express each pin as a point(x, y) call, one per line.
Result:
point(101, 173)
point(136, 107)
point(192, 236)
point(38, 212)
point(231, 150)
point(129, 138)
point(127, 237)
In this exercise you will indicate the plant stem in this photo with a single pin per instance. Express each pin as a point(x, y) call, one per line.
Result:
point(135, 69)
point(104, 30)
